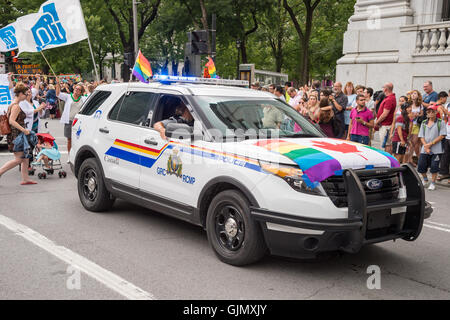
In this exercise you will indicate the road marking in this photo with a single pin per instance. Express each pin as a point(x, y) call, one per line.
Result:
point(11, 155)
point(439, 224)
point(437, 228)
point(109, 279)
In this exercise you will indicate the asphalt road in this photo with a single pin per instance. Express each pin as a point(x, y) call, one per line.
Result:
point(46, 236)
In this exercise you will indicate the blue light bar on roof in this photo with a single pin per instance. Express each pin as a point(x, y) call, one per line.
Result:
point(224, 82)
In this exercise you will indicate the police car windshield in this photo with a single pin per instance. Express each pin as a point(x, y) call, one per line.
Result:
point(258, 118)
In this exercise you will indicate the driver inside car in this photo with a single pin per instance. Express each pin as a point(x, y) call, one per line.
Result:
point(182, 115)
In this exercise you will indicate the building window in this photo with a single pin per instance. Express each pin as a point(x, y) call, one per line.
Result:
point(446, 10)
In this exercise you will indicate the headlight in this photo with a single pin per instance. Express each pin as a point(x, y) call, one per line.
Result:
point(293, 176)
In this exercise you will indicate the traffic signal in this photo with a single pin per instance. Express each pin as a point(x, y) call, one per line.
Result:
point(10, 57)
point(128, 59)
point(197, 42)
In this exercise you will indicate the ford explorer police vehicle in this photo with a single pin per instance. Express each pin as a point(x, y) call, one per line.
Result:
point(250, 170)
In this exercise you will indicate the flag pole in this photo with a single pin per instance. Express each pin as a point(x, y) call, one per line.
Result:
point(93, 60)
point(42, 52)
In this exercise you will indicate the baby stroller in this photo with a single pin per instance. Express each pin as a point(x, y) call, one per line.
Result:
point(49, 151)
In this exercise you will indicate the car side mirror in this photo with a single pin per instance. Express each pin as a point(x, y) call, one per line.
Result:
point(179, 131)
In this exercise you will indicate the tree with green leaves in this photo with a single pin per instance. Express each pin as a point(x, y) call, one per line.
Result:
point(304, 32)
point(122, 14)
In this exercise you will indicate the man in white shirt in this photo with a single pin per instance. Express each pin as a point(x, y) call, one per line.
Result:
point(296, 97)
point(72, 106)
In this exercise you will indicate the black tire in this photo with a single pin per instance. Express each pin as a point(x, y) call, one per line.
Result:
point(244, 243)
point(94, 196)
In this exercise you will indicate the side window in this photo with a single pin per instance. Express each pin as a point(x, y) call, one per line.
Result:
point(95, 102)
point(135, 108)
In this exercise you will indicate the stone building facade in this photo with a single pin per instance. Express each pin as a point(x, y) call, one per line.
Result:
point(405, 42)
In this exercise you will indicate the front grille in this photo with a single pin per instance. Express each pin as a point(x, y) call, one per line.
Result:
point(335, 188)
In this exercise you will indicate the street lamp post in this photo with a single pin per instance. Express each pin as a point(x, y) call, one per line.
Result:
point(135, 30)
point(238, 46)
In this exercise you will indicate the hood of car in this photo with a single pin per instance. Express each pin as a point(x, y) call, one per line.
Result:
point(319, 158)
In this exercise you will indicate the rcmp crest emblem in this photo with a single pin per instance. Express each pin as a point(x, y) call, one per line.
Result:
point(174, 164)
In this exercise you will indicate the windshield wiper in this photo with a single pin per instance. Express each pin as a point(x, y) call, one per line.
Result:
point(300, 135)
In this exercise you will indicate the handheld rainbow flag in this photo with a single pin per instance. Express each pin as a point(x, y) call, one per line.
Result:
point(211, 68)
point(142, 69)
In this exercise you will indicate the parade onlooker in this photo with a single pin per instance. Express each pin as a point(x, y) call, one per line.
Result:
point(52, 101)
point(361, 120)
point(339, 102)
point(311, 108)
point(430, 95)
point(72, 105)
point(327, 121)
point(255, 86)
point(316, 87)
point(444, 171)
point(385, 114)
point(295, 98)
point(400, 138)
point(272, 88)
point(441, 103)
point(17, 122)
point(279, 93)
point(350, 92)
point(287, 85)
point(402, 103)
point(368, 93)
point(417, 113)
point(360, 89)
point(432, 131)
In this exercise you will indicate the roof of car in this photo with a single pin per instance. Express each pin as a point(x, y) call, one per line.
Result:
point(190, 89)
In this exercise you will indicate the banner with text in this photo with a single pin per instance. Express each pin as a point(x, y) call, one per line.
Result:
point(58, 23)
point(28, 68)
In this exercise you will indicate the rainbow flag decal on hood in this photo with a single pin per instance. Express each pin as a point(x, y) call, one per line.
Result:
point(320, 159)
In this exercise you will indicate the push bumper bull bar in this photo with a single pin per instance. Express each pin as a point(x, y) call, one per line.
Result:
point(366, 223)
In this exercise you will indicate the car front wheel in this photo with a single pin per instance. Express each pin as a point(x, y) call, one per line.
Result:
point(91, 187)
point(235, 238)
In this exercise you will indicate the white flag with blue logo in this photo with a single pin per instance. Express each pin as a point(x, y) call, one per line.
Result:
point(5, 94)
point(8, 39)
point(58, 23)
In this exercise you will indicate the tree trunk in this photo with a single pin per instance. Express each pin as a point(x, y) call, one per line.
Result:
point(205, 25)
point(278, 63)
point(306, 39)
point(244, 51)
point(279, 55)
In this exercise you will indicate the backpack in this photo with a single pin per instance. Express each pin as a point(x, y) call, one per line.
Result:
point(425, 122)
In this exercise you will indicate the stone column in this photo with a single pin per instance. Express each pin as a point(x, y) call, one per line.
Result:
point(376, 14)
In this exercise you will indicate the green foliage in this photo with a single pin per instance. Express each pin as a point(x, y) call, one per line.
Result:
point(274, 45)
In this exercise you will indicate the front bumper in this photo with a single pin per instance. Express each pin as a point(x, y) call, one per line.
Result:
point(304, 237)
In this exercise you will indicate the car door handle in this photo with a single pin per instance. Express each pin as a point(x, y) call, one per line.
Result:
point(152, 141)
point(103, 130)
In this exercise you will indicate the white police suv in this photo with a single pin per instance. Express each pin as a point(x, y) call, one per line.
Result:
point(249, 169)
